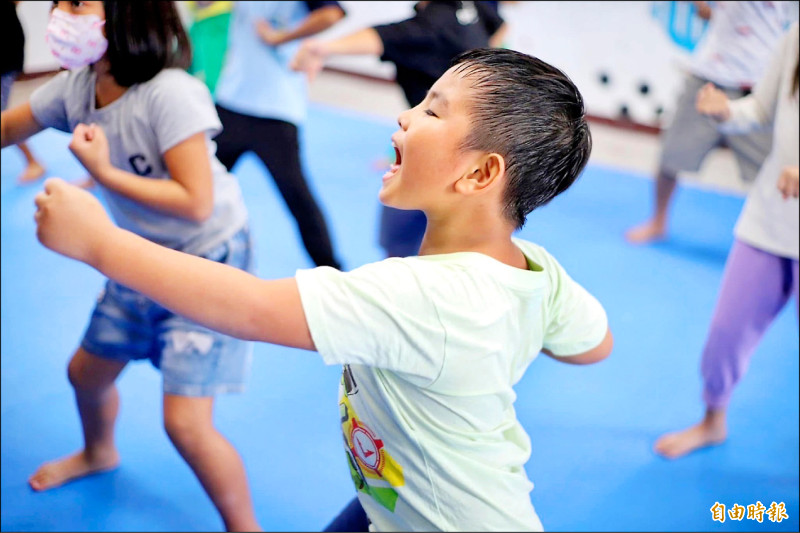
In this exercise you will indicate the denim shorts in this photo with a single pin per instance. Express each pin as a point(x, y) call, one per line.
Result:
point(194, 360)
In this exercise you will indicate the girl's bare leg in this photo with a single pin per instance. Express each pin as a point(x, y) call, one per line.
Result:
point(97, 397)
point(215, 462)
point(33, 170)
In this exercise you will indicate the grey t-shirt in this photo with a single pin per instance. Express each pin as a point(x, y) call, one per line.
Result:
point(146, 121)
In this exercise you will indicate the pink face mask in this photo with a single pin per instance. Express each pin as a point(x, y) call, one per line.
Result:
point(76, 40)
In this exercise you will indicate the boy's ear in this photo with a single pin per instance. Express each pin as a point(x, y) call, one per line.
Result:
point(487, 171)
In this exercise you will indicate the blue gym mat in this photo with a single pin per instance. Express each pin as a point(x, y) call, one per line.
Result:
point(592, 428)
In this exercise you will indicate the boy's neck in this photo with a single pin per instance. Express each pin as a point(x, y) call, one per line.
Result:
point(470, 232)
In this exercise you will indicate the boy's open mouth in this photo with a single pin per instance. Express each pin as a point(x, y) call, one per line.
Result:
point(395, 166)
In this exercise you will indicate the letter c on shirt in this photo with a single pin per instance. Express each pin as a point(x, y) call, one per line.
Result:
point(139, 164)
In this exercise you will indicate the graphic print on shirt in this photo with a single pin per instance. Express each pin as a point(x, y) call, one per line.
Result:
point(140, 165)
point(366, 453)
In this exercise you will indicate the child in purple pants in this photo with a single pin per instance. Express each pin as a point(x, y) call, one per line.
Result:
point(762, 269)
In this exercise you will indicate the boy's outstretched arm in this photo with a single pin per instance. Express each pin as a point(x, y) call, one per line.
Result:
point(72, 222)
point(595, 355)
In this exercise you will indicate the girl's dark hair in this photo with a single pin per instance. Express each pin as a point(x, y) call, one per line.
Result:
point(532, 114)
point(796, 80)
point(144, 37)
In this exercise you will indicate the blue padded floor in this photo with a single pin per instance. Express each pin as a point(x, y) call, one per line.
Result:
point(592, 428)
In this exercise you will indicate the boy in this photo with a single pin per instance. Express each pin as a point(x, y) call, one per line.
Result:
point(431, 345)
point(421, 49)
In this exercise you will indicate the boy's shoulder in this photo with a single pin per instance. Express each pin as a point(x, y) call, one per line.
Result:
point(536, 252)
point(446, 271)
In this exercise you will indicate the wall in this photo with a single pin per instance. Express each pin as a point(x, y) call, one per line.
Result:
point(624, 43)
point(33, 16)
point(610, 49)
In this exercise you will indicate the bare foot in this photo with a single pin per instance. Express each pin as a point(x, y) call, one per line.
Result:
point(678, 444)
point(646, 233)
point(32, 172)
point(58, 472)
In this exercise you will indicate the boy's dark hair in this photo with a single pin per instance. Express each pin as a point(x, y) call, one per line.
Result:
point(144, 37)
point(532, 114)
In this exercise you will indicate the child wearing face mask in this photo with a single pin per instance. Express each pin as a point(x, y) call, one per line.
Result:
point(431, 346)
point(142, 127)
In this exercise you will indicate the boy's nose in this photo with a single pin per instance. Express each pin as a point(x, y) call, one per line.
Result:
point(402, 119)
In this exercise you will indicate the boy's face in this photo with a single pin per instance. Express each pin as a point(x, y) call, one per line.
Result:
point(428, 158)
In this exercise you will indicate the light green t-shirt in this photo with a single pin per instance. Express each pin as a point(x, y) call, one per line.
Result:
point(432, 347)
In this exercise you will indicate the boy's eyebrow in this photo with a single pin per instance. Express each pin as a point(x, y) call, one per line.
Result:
point(434, 95)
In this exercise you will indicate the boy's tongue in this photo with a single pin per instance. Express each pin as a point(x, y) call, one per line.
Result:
point(391, 172)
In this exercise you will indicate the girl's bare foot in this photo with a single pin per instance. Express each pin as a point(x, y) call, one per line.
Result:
point(32, 172)
point(678, 444)
point(646, 233)
point(74, 466)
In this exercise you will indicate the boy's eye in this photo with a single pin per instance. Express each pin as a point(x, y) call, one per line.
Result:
point(430, 113)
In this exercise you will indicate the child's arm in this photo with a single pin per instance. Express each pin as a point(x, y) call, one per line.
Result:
point(577, 330)
point(756, 110)
point(312, 53)
point(72, 222)
point(713, 103)
point(188, 194)
point(17, 124)
point(595, 355)
point(317, 21)
point(497, 39)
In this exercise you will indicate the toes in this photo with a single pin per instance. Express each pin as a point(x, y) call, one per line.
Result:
point(667, 447)
point(37, 481)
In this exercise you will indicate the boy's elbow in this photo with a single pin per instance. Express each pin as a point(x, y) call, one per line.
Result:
point(603, 350)
point(595, 355)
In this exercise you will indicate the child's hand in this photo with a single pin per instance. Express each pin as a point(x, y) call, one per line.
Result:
point(70, 221)
point(789, 182)
point(713, 102)
point(268, 34)
point(309, 58)
point(90, 146)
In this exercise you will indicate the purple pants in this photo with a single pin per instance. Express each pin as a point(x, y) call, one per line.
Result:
point(755, 287)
